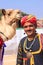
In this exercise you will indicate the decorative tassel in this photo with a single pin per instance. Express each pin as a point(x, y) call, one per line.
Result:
point(25, 61)
point(32, 60)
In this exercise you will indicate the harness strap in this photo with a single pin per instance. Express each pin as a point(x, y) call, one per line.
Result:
point(4, 35)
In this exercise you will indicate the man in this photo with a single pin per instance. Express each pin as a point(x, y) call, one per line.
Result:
point(30, 47)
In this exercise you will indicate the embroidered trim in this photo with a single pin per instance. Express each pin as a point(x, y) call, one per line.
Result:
point(36, 52)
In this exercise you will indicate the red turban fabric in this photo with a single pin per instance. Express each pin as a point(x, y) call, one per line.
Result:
point(29, 18)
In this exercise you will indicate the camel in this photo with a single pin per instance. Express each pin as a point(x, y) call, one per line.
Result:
point(8, 24)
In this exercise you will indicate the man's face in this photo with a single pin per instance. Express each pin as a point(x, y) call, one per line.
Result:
point(29, 28)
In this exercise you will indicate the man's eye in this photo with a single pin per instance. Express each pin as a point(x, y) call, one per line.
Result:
point(25, 26)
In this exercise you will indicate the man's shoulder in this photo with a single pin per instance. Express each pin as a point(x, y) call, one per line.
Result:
point(23, 39)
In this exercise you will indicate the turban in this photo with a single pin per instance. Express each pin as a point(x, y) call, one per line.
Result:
point(29, 18)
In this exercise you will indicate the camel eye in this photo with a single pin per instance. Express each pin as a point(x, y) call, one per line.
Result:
point(18, 12)
point(9, 14)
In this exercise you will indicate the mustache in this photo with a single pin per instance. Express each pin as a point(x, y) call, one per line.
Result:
point(28, 30)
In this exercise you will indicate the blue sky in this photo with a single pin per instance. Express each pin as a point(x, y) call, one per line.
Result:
point(34, 7)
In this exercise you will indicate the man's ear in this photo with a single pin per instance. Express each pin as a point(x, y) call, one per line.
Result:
point(3, 12)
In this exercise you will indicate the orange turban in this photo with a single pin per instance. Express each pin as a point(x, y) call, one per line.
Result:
point(29, 18)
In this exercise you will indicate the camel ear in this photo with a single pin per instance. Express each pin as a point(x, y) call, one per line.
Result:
point(3, 11)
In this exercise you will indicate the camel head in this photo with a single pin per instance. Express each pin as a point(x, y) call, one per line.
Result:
point(9, 22)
